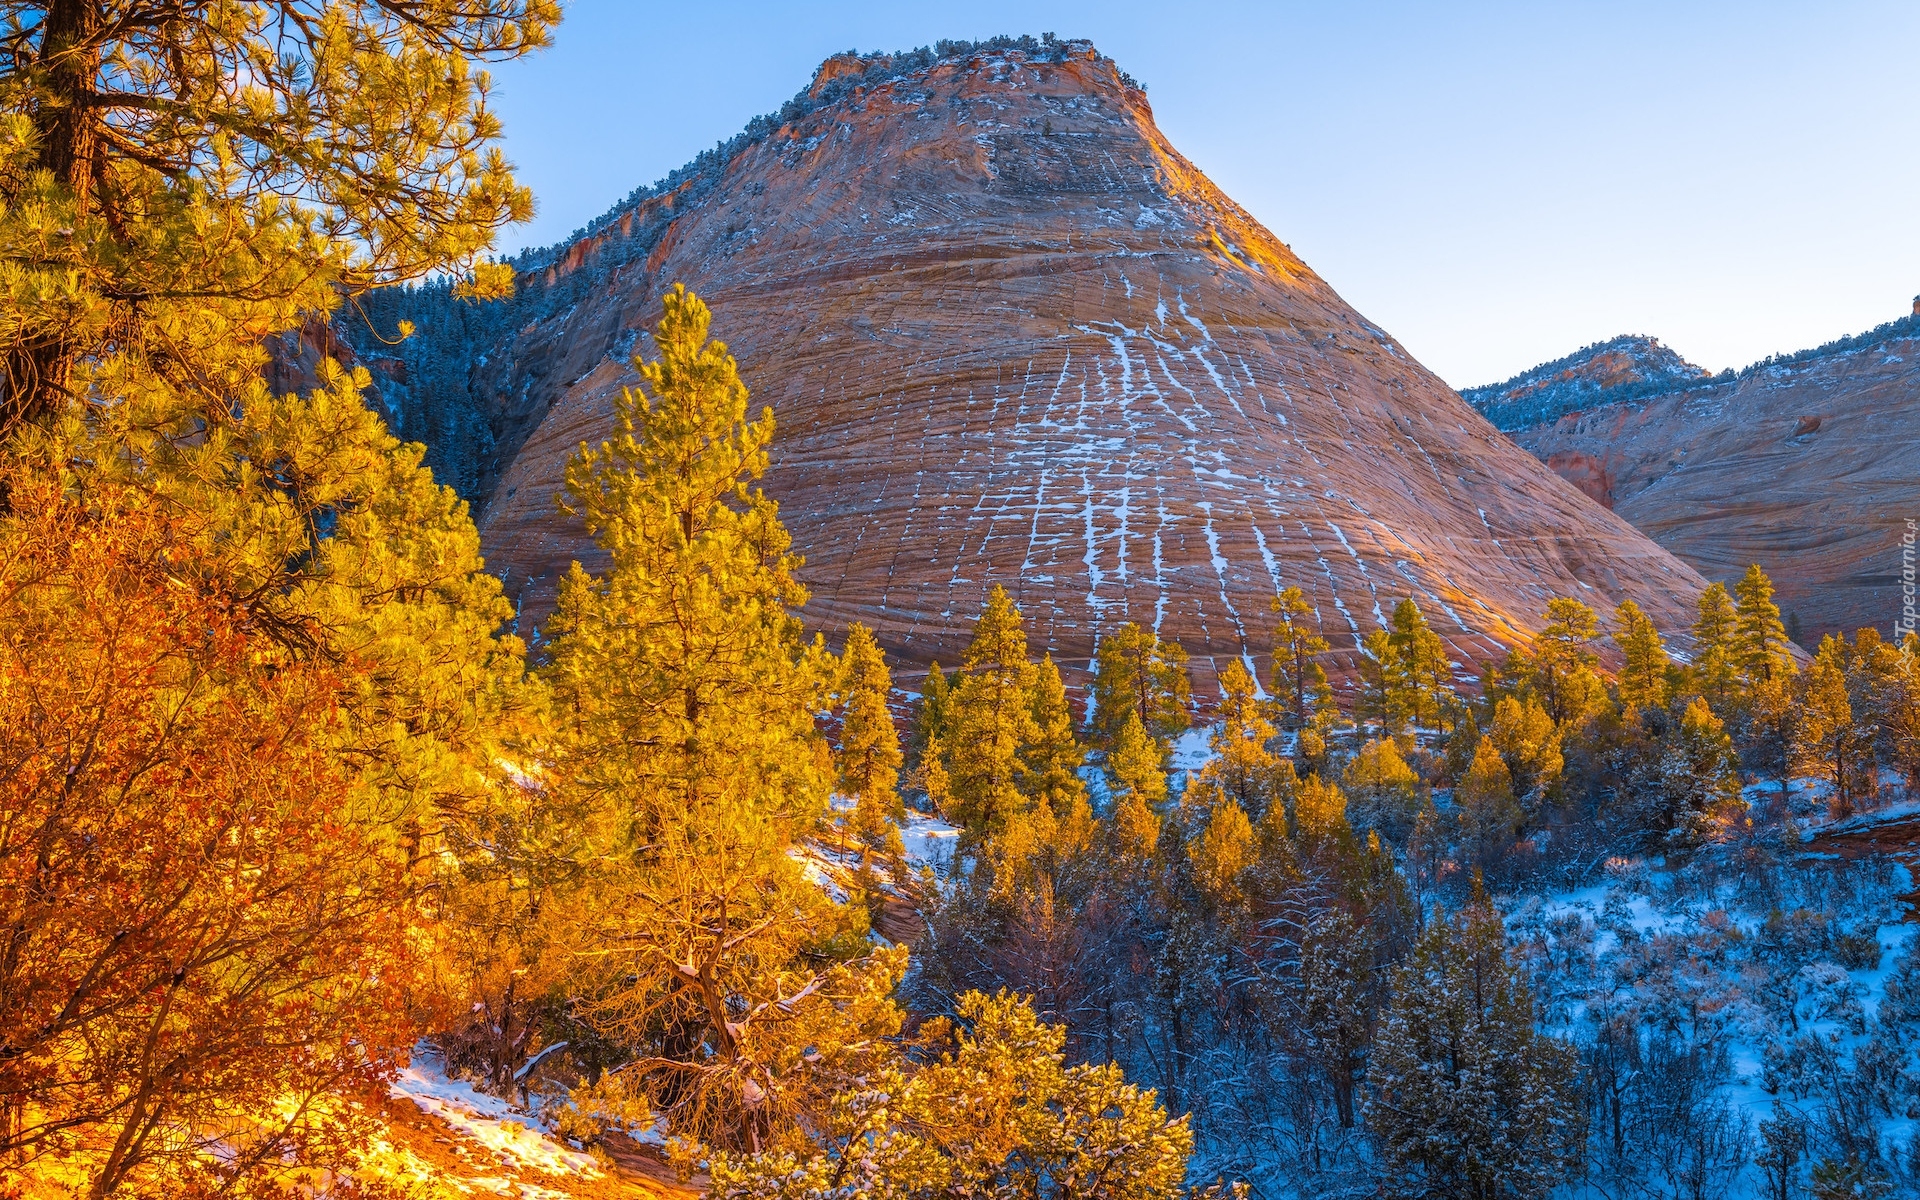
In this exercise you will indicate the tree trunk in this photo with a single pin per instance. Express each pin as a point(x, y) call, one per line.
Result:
point(39, 368)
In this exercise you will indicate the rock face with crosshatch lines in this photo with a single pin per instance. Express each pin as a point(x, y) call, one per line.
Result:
point(1011, 336)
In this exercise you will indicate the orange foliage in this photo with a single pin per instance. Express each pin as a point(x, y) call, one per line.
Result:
point(203, 958)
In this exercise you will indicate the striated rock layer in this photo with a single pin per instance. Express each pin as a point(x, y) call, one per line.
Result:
point(1011, 336)
point(1806, 466)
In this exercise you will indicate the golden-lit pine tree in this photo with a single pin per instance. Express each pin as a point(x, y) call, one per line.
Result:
point(991, 712)
point(1529, 743)
point(1139, 670)
point(1760, 645)
point(1489, 814)
point(1826, 743)
point(205, 172)
point(1300, 686)
point(1563, 678)
point(1247, 771)
point(1050, 763)
point(1712, 673)
point(1643, 682)
point(1384, 791)
point(868, 758)
point(1422, 675)
point(1137, 780)
point(685, 699)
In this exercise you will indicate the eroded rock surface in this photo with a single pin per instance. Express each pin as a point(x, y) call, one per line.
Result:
point(1011, 336)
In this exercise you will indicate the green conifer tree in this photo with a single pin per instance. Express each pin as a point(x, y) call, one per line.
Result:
point(1714, 654)
point(868, 758)
point(1136, 669)
point(1563, 660)
point(1760, 646)
point(1299, 681)
point(1489, 815)
point(991, 711)
point(1470, 1101)
point(1700, 777)
point(1643, 675)
point(1049, 767)
point(931, 718)
point(1382, 698)
point(1421, 668)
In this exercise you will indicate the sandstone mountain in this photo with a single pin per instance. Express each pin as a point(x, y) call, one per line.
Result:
point(1011, 336)
point(1804, 464)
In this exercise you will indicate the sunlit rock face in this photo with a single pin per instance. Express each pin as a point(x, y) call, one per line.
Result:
point(1012, 337)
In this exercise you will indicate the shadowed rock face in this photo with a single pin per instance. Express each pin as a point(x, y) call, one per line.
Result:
point(1810, 468)
point(1011, 336)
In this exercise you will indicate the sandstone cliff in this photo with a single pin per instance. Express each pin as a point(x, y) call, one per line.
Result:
point(1805, 465)
point(1012, 336)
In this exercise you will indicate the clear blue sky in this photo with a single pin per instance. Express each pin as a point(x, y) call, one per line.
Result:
point(1496, 184)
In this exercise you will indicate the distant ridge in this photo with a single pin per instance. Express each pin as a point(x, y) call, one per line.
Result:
point(1802, 462)
point(1609, 372)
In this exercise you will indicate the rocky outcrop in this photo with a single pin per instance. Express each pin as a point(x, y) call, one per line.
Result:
point(1805, 465)
point(1012, 337)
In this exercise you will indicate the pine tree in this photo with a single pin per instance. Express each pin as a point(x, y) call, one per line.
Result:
point(1760, 646)
point(1381, 699)
point(1049, 767)
point(1643, 676)
point(867, 761)
point(1825, 743)
point(1222, 850)
point(1299, 681)
point(932, 719)
point(1469, 1100)
point(1421, 666)
point(1244, 767)
point(1714, 653)
point(1136, 770)
point(1383, 790)
point(1529, 743)
point(1701, 777)
point(1135, 669)
point(991, 711)
point(1489, 815)
point(1563, 660)
point(686, 702)
point(155, 200)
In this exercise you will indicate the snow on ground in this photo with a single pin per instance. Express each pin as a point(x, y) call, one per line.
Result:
point(1193, 749)
point(516, 1139)
point(929, 841)
point(1681, 951)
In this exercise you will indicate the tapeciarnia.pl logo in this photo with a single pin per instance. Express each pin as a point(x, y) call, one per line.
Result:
point(1905, 625)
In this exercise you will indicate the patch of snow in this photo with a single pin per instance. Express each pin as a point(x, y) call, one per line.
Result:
point(512, 1135)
